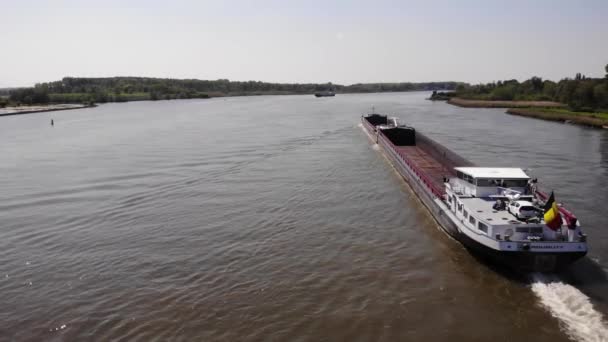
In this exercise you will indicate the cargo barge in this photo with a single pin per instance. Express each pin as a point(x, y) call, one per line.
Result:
point(499, 213)
point(327, 93)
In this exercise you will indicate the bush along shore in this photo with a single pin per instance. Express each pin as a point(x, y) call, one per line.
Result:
point(441, 95)
point(580, 93)
point(581, 100)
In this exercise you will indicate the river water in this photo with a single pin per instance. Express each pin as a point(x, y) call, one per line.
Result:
point(274, 219)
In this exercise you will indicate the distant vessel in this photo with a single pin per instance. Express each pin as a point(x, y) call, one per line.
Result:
point(325, 93)
point(496, 212)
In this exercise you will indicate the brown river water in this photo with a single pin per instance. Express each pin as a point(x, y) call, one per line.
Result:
point(274, 219)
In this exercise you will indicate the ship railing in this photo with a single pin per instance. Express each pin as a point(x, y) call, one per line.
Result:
point(435, 190)
point(457, 188)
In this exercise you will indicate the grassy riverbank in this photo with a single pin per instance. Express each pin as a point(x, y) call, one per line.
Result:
point(581, 100)
point(545, 110)
point(599, 120)
point(40, 108)
point(503, 104)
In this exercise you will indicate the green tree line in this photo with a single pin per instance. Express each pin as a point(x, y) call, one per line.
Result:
point(579, 93)
point(119, 89)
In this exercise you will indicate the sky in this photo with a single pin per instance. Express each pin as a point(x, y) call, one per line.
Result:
point(295, 41)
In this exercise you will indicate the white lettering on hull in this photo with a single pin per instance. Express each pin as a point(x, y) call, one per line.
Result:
point(546, 247)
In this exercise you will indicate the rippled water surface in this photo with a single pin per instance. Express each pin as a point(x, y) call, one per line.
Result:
point(272, 218)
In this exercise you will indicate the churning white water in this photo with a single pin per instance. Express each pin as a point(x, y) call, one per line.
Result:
point(375, 147)
point(571, 307)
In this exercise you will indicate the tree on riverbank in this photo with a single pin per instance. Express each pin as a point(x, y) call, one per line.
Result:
point(580, 94)
point(36, 95)
point(121, 89)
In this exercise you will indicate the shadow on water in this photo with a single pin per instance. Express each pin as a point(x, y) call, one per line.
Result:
point(583, 273)
point(503, 271)
point(586, 274)
point(604, 151)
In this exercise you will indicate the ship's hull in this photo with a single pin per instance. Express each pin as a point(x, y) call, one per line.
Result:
point(523, 261)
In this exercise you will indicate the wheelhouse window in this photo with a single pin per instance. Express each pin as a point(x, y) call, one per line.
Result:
point(465, 214)
point(465, 177)
point(515, 183)
point(472, 220)
point(505, 183)
point(483, 227)
point(460, 207)
point(485, 182)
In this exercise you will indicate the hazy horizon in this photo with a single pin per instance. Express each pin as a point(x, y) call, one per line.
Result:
point(303, 41)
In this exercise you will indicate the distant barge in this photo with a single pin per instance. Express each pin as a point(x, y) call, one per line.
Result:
point(496, 213)
point(325, 93)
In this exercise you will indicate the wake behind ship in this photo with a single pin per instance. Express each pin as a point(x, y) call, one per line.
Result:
point(498, 213)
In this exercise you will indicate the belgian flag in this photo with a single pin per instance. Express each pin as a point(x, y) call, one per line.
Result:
point(553, 219)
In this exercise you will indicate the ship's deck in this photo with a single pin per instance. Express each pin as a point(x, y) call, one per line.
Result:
point(427, 164)
point(482, 210)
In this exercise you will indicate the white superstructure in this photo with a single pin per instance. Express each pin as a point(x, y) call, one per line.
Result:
point(479, 199)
